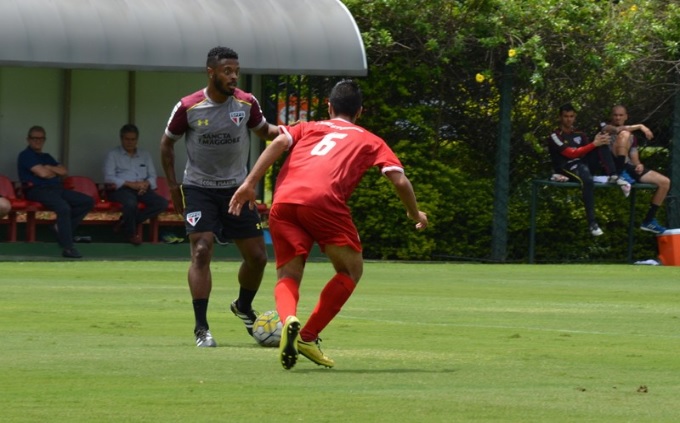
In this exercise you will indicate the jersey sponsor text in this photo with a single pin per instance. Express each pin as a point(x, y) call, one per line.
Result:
point(218, 139)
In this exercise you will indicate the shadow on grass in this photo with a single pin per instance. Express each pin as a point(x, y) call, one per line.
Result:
point(369, 371)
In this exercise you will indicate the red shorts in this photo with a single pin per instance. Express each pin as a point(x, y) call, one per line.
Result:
point(294, 229)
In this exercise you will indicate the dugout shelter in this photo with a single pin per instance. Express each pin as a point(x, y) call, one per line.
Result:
point(83, 68)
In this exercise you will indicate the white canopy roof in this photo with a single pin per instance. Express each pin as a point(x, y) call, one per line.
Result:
point(275, 37)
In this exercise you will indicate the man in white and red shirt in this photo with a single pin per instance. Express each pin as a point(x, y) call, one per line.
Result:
point(325, 163)
point(216, 122)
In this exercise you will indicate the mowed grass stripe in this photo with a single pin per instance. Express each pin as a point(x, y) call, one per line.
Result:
point(112, 341)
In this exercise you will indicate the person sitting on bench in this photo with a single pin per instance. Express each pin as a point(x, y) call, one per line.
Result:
point(574, 156)
point(624, 145)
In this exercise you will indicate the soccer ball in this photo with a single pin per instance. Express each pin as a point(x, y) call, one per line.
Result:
point(267, 329)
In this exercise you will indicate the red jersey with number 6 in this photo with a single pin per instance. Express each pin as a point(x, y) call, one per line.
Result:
point(327, 160)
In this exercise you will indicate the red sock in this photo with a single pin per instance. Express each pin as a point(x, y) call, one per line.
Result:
point(333, 296)
point(286, 295)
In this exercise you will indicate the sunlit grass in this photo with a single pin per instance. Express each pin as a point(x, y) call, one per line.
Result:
point(112, 341)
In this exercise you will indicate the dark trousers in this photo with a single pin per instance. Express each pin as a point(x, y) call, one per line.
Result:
point(70, 207)
point(154, 204)
point(598, 161)
point(578, 171)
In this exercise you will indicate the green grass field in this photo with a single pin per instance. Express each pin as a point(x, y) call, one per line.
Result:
point(112, 342)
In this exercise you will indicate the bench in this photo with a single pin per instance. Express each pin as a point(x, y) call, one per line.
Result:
point(538, 183)
point(104, 213)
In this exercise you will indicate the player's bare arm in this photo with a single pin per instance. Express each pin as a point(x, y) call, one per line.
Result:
point(246, 192)
point(611, 129)
point(638, 127)
point(168, 162)
point(407, 196)
point(268, 131)
point(634, 157)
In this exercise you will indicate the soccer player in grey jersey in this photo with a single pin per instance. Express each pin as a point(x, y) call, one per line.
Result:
point(216, 122)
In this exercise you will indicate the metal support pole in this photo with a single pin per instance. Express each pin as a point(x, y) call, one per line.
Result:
point(672, 206)
point(499, 233)
point(532, 224)
point(631, 226)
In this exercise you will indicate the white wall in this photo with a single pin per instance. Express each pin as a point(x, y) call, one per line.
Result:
point(99, 106)
point(156, 94)
point(28, 96)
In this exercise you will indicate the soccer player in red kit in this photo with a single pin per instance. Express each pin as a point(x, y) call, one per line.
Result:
point(326, 161)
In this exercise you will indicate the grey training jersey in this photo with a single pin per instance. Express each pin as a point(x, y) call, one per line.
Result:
point(216, 136)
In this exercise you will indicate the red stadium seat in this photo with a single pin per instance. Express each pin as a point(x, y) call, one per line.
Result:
point(163, 190)
point(89, 187)
point(18, 205)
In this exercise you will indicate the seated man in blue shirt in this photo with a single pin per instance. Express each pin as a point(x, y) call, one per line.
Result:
point(133, 174)
point(41, 174)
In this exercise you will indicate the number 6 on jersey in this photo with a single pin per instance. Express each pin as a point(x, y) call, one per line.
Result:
point(326, 144)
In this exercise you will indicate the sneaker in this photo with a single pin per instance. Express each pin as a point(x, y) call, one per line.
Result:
point(625, 186)
point(71, 253)
point(248, 318)
point(312, 351)
point(288, 351)
point(204, 338)
point(135, 240)
point(653, 227)
point(595, 229)
point(171, 239)
point(626, 177)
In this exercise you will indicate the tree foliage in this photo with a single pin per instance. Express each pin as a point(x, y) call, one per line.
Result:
point(433, 91)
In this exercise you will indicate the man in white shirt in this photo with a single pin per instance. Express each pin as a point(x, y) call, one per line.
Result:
point(131, 172)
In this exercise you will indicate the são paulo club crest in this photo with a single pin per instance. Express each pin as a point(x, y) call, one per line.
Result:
point(193, 218)
point(237, 117)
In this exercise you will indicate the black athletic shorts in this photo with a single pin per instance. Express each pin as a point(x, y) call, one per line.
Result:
point(207, 210)
point(630, 169)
